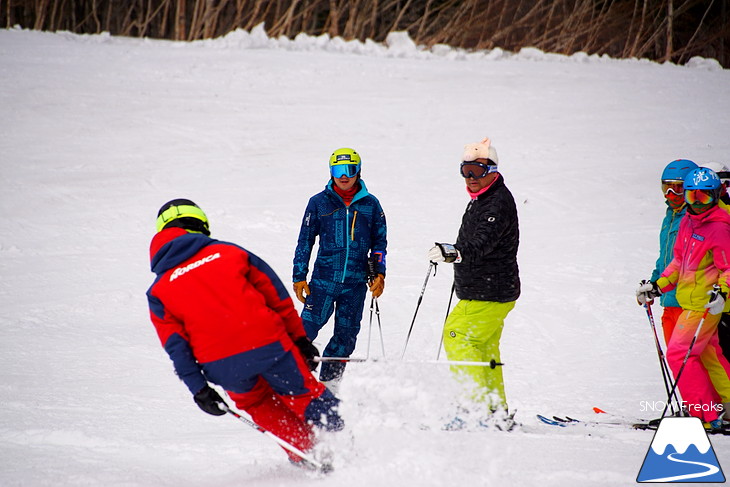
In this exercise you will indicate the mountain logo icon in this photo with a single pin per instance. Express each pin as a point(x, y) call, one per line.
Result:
point(681, 452)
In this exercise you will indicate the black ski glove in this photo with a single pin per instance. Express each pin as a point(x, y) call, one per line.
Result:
point(308, 351)
point(207, 400)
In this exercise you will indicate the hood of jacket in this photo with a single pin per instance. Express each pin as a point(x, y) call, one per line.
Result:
point(172, 246)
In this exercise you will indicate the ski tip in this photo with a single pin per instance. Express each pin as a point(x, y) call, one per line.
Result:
point(599, 411)
point(549, 421)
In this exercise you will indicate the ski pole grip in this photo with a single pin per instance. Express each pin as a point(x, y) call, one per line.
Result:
point(715, 291)
point(371, 268)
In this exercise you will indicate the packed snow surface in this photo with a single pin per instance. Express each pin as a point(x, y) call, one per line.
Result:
point(98, 132)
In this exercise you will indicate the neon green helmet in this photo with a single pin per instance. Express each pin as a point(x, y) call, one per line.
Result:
point(182, 213)
point(344, 162)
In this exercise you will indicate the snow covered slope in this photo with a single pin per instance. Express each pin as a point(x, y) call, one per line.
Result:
point(98, 132)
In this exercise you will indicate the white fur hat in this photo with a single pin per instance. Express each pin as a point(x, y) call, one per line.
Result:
point(480, 150)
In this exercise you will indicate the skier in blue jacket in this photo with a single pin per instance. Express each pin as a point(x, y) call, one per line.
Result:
point(350, 224)
point(673, 189)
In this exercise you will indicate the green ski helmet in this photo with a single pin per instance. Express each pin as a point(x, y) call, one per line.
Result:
point(182, 213)
point(345, 162)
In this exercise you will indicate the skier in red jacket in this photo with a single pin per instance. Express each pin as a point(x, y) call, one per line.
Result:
point(224, 317)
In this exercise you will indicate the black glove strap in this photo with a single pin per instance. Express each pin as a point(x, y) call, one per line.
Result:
point(448, 251)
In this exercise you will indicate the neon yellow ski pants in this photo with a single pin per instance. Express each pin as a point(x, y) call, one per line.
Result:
point(471, 333)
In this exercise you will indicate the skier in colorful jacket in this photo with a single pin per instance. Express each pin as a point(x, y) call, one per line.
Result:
point(723, 329)
point(701, 260)
point(350, 224)
point(225, 318)
point(486, 277)
point(672, 184)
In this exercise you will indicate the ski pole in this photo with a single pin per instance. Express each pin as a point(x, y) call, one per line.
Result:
point(340, 359)
point(432, 265)
point(448, 310)
point(662, 359)
point(492, 364)
point(715, 289)
point(380, 328)
point(370, 327)
point(374, 307)
point(372, 274)
point(308, 459)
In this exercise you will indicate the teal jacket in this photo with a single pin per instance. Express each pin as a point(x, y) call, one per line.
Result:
point(667, 237)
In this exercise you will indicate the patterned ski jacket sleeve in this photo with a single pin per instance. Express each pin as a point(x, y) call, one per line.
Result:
point(307, 236)
point(379, 238)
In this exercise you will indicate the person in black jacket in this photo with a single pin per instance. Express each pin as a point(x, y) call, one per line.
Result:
point(486, 276)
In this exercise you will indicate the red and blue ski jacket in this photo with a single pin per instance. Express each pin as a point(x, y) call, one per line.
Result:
point(214, 300)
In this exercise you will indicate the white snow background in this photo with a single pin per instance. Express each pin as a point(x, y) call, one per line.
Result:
point(97, 132)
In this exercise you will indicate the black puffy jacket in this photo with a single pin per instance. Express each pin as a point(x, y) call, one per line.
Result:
point(488, 241)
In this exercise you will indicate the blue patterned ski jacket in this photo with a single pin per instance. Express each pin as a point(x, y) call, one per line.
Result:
point(346, 235)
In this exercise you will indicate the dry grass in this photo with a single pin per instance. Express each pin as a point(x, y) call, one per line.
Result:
point(663, 30)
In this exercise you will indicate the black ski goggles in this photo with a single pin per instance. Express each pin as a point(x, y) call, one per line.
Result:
point(476, 170)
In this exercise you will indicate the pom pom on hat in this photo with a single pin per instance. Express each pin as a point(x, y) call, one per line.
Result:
point(480, 150)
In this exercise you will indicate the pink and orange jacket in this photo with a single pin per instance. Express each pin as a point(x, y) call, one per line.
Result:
point(701, 259)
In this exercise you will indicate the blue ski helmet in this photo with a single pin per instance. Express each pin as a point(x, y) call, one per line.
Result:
point(702, 178)
point(721, 169)
point(677, 170)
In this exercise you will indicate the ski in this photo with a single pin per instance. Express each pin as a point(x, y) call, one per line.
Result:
point(551, 422)
point(653, 424)
point(305, 459)
point(567, 421)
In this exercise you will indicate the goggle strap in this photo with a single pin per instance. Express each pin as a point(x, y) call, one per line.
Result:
point(182, 211)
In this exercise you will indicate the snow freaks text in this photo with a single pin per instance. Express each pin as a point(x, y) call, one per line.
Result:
point(654, 406)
